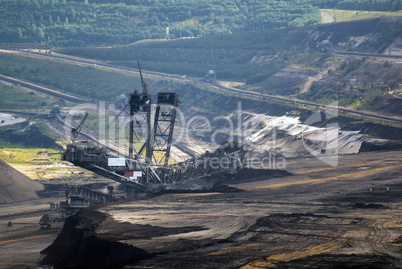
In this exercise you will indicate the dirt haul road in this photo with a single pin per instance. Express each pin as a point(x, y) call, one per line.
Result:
point(22, 241)
point(321, 216)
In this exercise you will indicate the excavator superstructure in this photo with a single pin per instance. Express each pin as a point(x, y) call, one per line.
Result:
point(148, 168)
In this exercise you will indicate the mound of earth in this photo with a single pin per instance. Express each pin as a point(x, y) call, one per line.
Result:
point(78, 246)
point(353, 35)
point(249, 174)
point(218, 182)
point(15, 186)
point(28, 135)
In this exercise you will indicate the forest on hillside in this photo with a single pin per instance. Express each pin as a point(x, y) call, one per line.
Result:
point(115, 22)
point(377, 5)
point(111, 22)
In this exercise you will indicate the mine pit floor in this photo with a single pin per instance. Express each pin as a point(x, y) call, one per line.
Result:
point(318, 216)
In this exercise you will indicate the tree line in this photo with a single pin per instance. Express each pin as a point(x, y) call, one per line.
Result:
point(113, 22)
point(368, 5)
point(376, 5)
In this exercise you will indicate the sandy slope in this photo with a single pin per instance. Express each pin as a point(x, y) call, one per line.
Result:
point(15, 186)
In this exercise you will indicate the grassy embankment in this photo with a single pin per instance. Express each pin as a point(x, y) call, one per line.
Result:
point(41, 164)
point(25, 147)
point(82, 81)
point(96, 82)
point(352, 15)
point(18, 98)
point(245, 57)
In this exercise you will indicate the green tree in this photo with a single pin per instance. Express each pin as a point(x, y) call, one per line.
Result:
point(40, 34)
point(19, 34)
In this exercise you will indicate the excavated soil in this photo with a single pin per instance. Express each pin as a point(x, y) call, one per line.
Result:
point(316, 217)
point(15, 186)
point(77, 246)
point(339, 33)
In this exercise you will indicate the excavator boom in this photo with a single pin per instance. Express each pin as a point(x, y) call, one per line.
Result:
point(76, 131)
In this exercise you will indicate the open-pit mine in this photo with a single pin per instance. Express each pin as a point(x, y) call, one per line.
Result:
point(194, 190)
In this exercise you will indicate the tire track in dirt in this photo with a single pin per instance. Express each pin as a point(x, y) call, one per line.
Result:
point(314, 170)
point(310, 80)
point(270, 261)
point(379, 239)
point(345, 176)
point(32, 237)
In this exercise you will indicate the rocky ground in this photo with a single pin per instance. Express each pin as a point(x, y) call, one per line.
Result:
point(319, 217)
